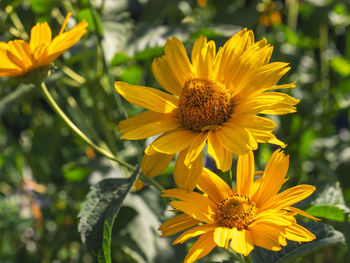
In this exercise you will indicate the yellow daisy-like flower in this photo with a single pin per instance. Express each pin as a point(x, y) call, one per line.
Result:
point(19, 57)
point(252, 214)
point(216, 100)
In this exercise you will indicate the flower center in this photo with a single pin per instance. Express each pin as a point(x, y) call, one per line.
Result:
point(236, 211)
point(204, 105)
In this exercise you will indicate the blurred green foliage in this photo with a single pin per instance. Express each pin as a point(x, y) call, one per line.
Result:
point(46, 171)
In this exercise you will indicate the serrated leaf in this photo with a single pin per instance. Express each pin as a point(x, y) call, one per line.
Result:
point(326, 236)
point(98, 212)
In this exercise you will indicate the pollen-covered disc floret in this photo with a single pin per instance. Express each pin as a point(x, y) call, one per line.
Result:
point(237, 211)
point(204, 105)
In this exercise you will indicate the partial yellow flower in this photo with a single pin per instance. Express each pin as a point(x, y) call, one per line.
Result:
point(252, 214)
point(216, 99)
point(202, 3)
point(19, 57)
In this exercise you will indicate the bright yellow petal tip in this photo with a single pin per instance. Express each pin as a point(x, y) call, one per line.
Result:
point(252, 214)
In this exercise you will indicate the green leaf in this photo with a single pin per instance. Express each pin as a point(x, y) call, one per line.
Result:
point(98, 212)
point(75, 173)
point(131, 74)
point(42, 6)
point(327, 211)
point(328, 202)
point(88, 16)
point(120, 58)
point(326, 236)
point(341, 65)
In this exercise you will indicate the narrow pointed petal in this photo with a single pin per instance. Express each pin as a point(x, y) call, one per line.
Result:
point(221, 156)
point(193, 232)
point(289, 197)
point(147, 124)
point(39, 35)
point(242, 241)
point(236, 138)
point(216, 188)
point(195, 148)
point(153, 165)
point(149, 98)
point(186, 177)
point(222, 236)
point(173, 141)
point(273, 177)
point(194, 211)
point(177, 224)
point(299, 233)
point(203, 55)
point(178, 61)
point(203, 246)
point(245, 174)
point(166, 77)
point(303, 213)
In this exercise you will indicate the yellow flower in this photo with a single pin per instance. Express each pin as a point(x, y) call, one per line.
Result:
point(19, 57)
point(216, 100)
point(252, 214)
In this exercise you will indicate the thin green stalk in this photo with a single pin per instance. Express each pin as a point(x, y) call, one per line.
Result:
point(248, 259)
point(152, 181)
point(77, 131)
point(9, 99)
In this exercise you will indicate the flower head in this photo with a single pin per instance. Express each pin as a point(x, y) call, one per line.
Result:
point(252, 214)
point(216, 99)
point(19, 57)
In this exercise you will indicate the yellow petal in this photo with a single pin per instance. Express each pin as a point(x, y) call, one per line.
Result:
point(195, 198)
point(245, 174)
point(298, 233)
point(153, 165)
point(166, 77)
point(173, 141)
point(64, 41)
point(221, 156)
point(147, 124)
point(278, 103)
point(20, 55)
point(289, 197)
point(257, 55)
point(273, 177)
point(303, 213)
point(216, 189)
point(222, 236)
point(40, 35)
point(177, 224)
point(242, 241)
point(195, 148)
point(265, 236)
point(236, 138)
point(186, 177)
point(262, 79)
point(193, 232)
point(229, 53)
point(202, 57)
point(65, 22)
point(149, 98)
point(178, 61)
point(203, 246)
point(194, 211)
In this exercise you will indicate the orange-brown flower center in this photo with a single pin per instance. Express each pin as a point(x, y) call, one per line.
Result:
point(237, 211)
point(204, 105)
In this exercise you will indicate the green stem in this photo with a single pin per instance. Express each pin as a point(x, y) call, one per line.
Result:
point(248, 259)
point(152, 181)
point(77, 131)
point(9, 99)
